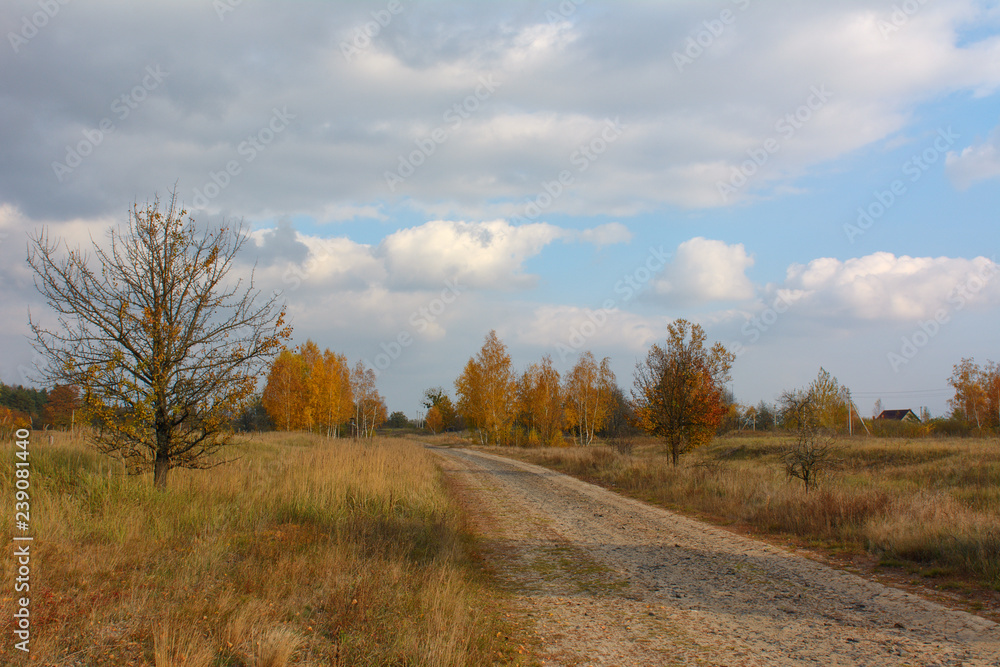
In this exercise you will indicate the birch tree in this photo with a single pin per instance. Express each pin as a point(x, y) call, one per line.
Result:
point(589, 390)
point(487, 392)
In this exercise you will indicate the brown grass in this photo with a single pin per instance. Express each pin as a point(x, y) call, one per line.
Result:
point(921, 504)
point(304, 551)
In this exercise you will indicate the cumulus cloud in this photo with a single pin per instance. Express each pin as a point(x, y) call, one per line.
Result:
point(478, 254)
point(882, 286)
point(705, 270)
point(976, 163)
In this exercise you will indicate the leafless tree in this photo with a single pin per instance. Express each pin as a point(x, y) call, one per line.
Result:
point(165, 352)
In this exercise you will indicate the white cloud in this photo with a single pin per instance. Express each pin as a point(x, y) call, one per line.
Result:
point(706, 270)
point(979, 162)
point(477, 254)
point(883, 286)
point(608, 234)
point(686, 130)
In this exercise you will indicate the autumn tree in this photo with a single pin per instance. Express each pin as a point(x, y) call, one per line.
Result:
point(284, 392)
point(487, 392)
point(335, 401)
point(540, 403)
point(678, 392)
point(589, 389)
point(829, 401)
point(11, 420)
point(434, 421)
point(977, 393)
point(165, 351)
point(370, 410)
point(437, 399)
point(62, 406)
point(309, 390)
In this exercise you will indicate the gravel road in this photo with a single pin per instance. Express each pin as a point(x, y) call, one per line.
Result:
point(607, 580)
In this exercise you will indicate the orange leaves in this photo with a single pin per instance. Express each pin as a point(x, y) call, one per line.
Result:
point(434, 420)
point(679, 388)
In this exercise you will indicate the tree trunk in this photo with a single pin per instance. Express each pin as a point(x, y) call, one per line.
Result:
point(160, 469)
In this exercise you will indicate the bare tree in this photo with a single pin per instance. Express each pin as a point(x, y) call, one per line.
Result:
point(812, 450)
point(165, 352)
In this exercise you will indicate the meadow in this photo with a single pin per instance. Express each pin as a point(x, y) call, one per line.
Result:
point(927, 510)
point(301, 551)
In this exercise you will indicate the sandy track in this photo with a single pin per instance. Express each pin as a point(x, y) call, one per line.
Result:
point(613, 581)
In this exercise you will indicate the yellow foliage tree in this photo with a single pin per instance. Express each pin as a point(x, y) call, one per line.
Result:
point(977, 393)
point(284, 392)
point(309, 390)
point(540, 403)
point(434, 421)
point(163, 348)
point(370, 410)
point(589, 391)
point(487, 392)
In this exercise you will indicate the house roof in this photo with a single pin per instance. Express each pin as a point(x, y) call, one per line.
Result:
point(898, 415)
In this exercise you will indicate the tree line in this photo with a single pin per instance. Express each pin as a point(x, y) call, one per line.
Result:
point(26, 407)
point(319, 391)
point(679, 394)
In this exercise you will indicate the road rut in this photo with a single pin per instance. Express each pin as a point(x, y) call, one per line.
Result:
point(608, 580)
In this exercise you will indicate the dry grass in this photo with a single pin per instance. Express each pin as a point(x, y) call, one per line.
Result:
point(304, 551)
point(930, 505)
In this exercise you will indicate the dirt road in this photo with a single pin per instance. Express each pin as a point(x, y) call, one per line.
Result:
point(612, 581)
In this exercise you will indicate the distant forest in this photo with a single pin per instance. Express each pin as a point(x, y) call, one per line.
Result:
point(26, 406)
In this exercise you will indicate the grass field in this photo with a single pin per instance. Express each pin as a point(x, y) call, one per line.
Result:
point(927, 508)
point(303, 551)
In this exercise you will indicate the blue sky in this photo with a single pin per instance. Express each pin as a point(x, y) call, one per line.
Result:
point(440, 169)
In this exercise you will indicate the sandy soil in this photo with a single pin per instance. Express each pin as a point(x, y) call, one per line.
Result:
point(607, 580)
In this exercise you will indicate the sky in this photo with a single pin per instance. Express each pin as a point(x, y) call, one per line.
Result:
point(816, 184)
